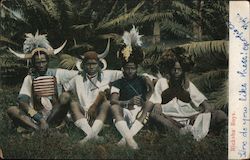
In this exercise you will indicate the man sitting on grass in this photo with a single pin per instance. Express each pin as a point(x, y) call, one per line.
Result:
point(40, 102)
point(89, 87)
point(177, 99)
point(130, 94)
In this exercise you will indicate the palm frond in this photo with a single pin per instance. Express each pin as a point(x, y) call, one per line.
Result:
point(211, 80)
point(200, 49)
point(156, 16)
point(81, 26)
point(208, 55)
point(150, 49)
point(84, 46)
point(67, 61)
point(51, 8)
point(176, 28)
point(185, 10)
point(34, 5)
point(7, 40)
point(116, 37)
point(69, 8)
point(220, 97)
point(111, 11)
point(133, 20)
point(121, 18)
point(87, 5)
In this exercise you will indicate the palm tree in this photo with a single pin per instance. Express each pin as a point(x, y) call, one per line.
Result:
point(165, 24)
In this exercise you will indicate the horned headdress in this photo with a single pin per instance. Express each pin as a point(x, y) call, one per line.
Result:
point(131, 50)
point(36, 43)
point(94, 55)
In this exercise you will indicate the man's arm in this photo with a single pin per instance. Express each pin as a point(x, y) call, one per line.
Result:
point(150, 87)
point(115, 100)
point(136, 100)
point(101, 97)
point(206, 107)
point(38, 117)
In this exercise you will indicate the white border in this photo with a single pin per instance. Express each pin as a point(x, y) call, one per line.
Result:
point(239, 110)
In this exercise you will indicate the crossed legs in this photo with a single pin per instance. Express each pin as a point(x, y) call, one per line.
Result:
point(56, 116)
point(80, 120)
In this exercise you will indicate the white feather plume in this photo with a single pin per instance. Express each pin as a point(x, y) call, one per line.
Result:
point(35, 41)
point(132, 37)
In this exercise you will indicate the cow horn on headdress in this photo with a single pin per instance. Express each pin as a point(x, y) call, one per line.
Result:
point(35, 43)
point(104, 54)
point(100, 57)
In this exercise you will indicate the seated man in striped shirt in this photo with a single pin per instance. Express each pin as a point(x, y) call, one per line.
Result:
point(40, 101)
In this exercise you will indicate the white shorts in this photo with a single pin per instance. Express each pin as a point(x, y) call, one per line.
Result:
point(130, 115)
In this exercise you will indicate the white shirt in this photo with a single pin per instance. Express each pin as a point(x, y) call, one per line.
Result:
point(182, 109)
point(62, 76)
point(87, 92)
point(177, 107)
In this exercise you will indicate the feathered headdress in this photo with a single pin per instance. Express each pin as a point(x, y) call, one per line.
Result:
point(131, 50)
point(36, 43)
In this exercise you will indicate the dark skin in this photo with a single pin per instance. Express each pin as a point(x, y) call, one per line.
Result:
point(177, 88)
point(19, 114)
point(130, 72)
point(41, 64)
point(91, 67)
point(99, 109)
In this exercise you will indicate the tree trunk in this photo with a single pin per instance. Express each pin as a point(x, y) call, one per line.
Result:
point(157, 29)
point(157, 33)
point(197, 26)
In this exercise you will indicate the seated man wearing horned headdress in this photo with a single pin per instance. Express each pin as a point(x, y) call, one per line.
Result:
point(89, 87)
point(177, 99)
point(130, 94)
point(40, 101)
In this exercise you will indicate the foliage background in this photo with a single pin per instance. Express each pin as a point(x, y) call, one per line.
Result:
point(200, 27)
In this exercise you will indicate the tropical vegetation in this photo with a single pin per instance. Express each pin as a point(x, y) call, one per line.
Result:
point(197, 26)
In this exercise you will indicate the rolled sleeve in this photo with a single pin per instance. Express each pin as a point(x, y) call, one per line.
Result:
point(114, 90)
point(70, 86)
point(26, 88)
point(160, 86)
point(64, 76)
point(23, 98)
point(196, 96)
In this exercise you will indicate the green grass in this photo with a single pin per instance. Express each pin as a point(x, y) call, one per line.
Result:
point(62, 144)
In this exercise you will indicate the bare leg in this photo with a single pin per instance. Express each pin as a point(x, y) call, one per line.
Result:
point(117, 112)
point(1, 154)
point(19, 117)
point(158, 116)
point(147, 108)
point(80, 121)
point(103, 112)
point(122, 127)
point(99, 121)
point(60, 109)
point(76, 112)
point(138, 124)
point(218, 121)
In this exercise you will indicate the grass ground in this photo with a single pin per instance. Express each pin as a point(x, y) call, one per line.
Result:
point(62, 144)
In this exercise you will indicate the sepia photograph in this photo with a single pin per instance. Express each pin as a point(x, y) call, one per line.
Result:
point(114, 79)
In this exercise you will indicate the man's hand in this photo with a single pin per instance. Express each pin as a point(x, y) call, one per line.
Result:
point(136, 100)
point(43, 124)
point(157, 109)
point(92, 112)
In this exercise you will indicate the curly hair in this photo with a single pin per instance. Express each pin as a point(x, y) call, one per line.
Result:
point(170, 56)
